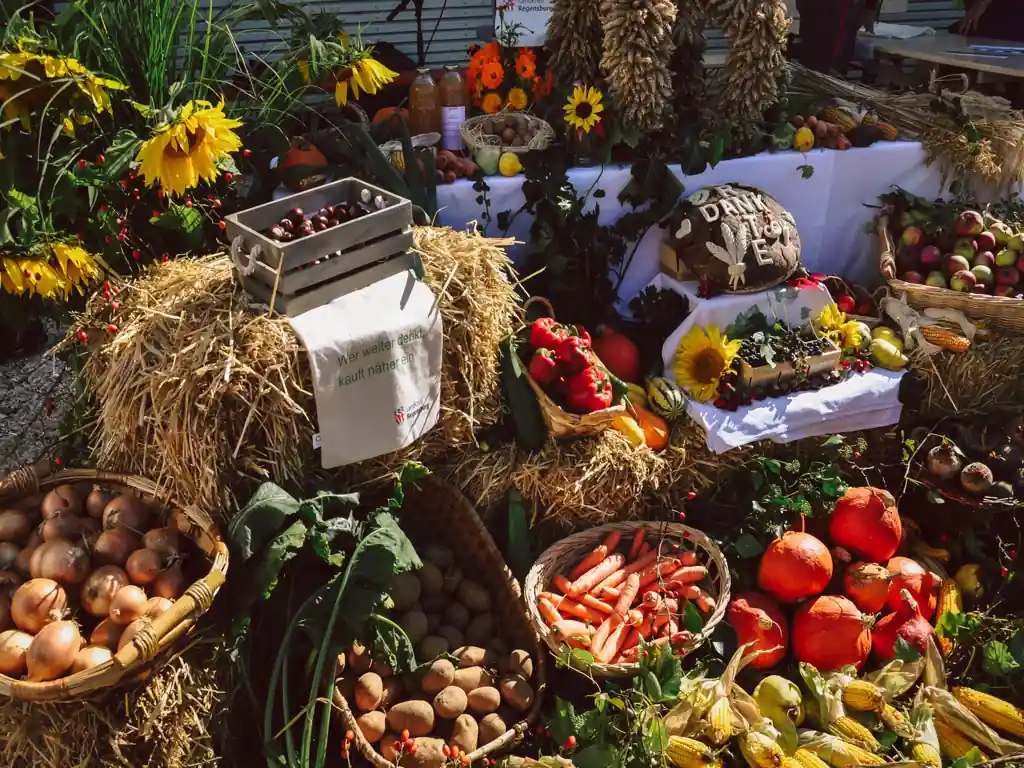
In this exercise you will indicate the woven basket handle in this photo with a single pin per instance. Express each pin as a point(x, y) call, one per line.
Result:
point(888, 263)
point(539, 300)
point(25, 481)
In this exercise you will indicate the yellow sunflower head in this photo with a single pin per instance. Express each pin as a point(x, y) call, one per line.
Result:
point(517, 98)
point(702, 357)
point(181, 153)
point(365, 73)
point(830, 321)
point(584, 108)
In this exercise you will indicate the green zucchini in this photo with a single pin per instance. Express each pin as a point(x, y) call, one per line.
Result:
point(530, 429)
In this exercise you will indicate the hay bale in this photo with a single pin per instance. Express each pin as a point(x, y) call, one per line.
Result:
point(985, 378)
point(204, 395)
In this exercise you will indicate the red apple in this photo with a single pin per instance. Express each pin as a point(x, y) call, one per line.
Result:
point(963, 281)
point(911, 236)
point(846, 303)
point(1020, 265)
point(985, 259)
point(1007, 276)
point(931, 256)
point(969, 224)
point(986, 241)
point(1003, 290)
point(913, 277)
point(979, 288)
point(957, 263)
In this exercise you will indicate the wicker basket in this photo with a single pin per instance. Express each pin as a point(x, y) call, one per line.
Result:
point(436, 511)
point(162, 632)
point(563, 556)
point(474, 137)
point(997, 311)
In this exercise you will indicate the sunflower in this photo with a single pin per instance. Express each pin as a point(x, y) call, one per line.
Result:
point(526, 64)
point(830, 322)
point(492, 75)
point(583, 111)
point(186, 150)
point(78, 266)
point(701, 359)
point(491, 103)
point(366, 73)
point(517, 98)
point(39, 276)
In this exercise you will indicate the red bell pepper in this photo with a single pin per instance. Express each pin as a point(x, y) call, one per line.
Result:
point(544, 368)
point(579, 330)
point(589, 390)
point(574, 354)
point(545, 333)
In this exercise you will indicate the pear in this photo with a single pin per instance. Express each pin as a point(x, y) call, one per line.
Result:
point(886, 355)
point(1016, 243)
point(779, 700)
point(1001, 232)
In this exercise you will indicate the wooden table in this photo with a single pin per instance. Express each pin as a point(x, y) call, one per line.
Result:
point(948, 50)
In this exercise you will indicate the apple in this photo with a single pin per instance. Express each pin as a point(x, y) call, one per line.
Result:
point(1001, 233)
point(963, 281)
point(979, 288)
point(936, 279)
point(907, 257)
point(931, 256)
point(970, 223)
point(986, 241)
point(911, 236)
point(957, 263)
point(1020, 264)
point(965, 247)
point(1003, 290)
point(1007, 276)
point(913, 276)
point(846, 303)
point(1006, 258)
point(944, 238)
point(985, 258)
point(982, 274)
point(1016, 243)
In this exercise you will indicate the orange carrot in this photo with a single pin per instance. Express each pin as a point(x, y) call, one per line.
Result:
point(651, 600)
point(705, 602)
point(657, 571)
point(620, 575)
point(644, 549)
point(548, 611)
point(597, 556)
point(604, 629)
point(632, 640)
point(638, 540)
point(627, 595)
point(687, 574)
point(588, 600)
point(613, 644)
point(575, 633)
point(632, 654)
point(571, 608)
point(670, 605)
point(644, 631)
point(688, 558)
point(660, 621)
point(595, 575)
point(670, 627)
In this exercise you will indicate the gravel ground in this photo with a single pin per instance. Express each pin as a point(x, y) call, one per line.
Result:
point(33, 393)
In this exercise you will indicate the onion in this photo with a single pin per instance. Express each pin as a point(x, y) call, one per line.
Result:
point(127, 511)
point(131, 631)
point(89, 657)
point(9, 582)
point(113, 547)
point(143, 566)
point(128, 604)
point(53, 651)
point(37, 603)
point(100, 587)
point(156, 607)
point(8, 555)
point(91, 531)
point(163, 541)
point(96, 502)
point(55, 504)
point(107, 633)
point(170, 583)
point(15, 525)
point(13, 645)
point(943, 461)
point(23, 562)
point(61, 527)
point(61, 561)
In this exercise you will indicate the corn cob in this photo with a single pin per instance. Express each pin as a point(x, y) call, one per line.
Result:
point(841, 754)
point(690, 753)
point(863, 696)
point(896, 721)
point(760, 750)
point(926, 754)
point(945, 338)
point(807, 759)
point(839, 117)
point(889, 132)
point(850, 730)
point(791, 762)
point(950, 601)
point(720, 720)
point(952, 743)
point(992, 711)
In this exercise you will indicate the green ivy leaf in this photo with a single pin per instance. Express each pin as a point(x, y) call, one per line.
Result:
point(998, 661)
point(905, 651)
point(806, 171)
point(595, 756)
point(746, 546)
point(692, 621)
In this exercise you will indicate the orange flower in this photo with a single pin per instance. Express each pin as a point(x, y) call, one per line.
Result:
point(526, 63)
point(491, 103)
point(491, 51)
point(476, 66)
point(517, 98)
point(542, 86)
point(492, 75)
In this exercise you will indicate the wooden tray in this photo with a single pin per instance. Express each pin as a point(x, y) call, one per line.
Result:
point(763, 375)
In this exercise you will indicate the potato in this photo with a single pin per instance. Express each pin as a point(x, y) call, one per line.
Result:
point(471, 678)
point(405, 591)
point(483, 700)
point(433, 646)
point(387, 746)
point(452, 635)
point(431, 578)
point(516, 692)
point(480, 629)
point(433, 622)
point(359, 659)
point(507, 135)
point(416, 716)
point(438, 677)
point(520, 663)
point(456, 615)
point(429, 754)
point(452, 579)
point(466, 733)
point(473, 656)
point(440, 556)
point(415, 625)
point(492, 726)
point(450, 702)
point(473, 596)
point(372, 725)
point(435, 603)
point(369, 691)
point(517, 141)
point(393, 691)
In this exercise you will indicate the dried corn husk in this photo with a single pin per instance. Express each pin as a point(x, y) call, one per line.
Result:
point(827, 692)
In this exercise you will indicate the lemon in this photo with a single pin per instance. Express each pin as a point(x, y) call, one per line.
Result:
point(509, 164)
point(803, 139)
point(883, 332)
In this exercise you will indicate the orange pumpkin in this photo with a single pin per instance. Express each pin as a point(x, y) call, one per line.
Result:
point(384, 115)
point(867, 584)
point(866, 521)
point(654, 427)
point(303, 166)
point(758, 620)
point(795, 566)
point(830, 633)
point(910, 575)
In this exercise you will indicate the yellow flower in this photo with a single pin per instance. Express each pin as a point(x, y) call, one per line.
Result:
point(701, 359)
point(39, 276)
point(178, 155)
point(78, 266)
point(583, 111)
point(517, 98)
point(830, 321)
point(366, 73)
point(491, 103)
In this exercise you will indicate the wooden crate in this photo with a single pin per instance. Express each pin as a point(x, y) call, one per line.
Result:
point(763, 375)
point(302, 272)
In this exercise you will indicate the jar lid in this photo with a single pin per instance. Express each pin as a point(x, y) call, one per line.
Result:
point(422, 70)
point(451, 67)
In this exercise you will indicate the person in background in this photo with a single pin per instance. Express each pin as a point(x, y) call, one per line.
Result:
point(828, 31)
point(998, 19)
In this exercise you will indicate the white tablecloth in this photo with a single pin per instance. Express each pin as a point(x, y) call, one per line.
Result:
point(829, 207)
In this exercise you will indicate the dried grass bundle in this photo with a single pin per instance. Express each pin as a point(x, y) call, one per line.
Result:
point(985, 377)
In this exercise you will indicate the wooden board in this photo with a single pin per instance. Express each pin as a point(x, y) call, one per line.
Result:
point(953, 51)
point(764, 375)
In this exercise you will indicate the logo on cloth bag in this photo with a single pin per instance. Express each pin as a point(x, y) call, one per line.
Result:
point(399, 415)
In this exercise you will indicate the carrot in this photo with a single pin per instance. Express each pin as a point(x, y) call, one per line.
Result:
point(643, 630)
point(670, 605)
point(644, 549)
point(620, 575)
point(575, 633)
point(670, 627)
point(705, 602)
point(576, 610)
point(595, 575)
point(597, 556)
point(651, 600)
point(660, 621)
point(632, 641)
point(548, 611)
point(687, 574)
point(588, 600)
point(633, 653)
point(688, 558)
point(604, 631)
point(613, 644)
point(657, 571)
point(638, 540)
point(627, 595)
